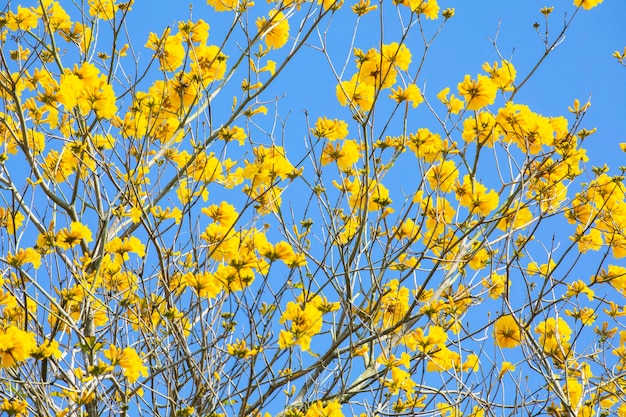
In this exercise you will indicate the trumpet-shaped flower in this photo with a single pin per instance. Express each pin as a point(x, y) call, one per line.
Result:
point(275, 31)
point(477, 93)
point(16, 346)
point(507, 332)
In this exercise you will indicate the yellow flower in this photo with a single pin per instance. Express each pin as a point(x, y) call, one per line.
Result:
point(408, 230)
point(330, 129)
point(208, 63)
point(225, 214)
point(306, 321)
point(411, 94)
point(590, 241)
point(240, 349)
point(47, 349)
point(477, 93)
point(481, 129)
point(197, 32)
point(204, 284)
point(574, 391)
point(67, 239)
point(579, 287)
point(587, 4)
point(168, 213)
point(393, 305)
point(506, 332)
point(363, 7)
point(429, 8)
point(19, 54)
point(400, 380)
point(235, 132)
point(502, 77)
point(474, 196)
point(121, 247)
point(320, 409)
point(128, 359)
point(331, 4)
point(16, 346)
point(442, 176)
point(355, 93)
point(10, 220)
point(586, 315)
point(15, 408)
point(496, 284)
point(275, 31)
point(223, 5)
point(515, 217)
point(398, 55)
point(103, 9)
point(554, 334)
point(169, 49)
point(426, 145)
point(442, 360)
point(506, 367)
point(345, 155)
point(28, 255)
point(24, 19)
point(453, 104)
point(471, 363)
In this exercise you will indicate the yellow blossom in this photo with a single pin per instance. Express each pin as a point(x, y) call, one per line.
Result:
point(103, 9)
point(507, 332)
point(67, 239)
point(23, 256)
point(554, 334)
point(506, 367)
point(275, 31)
point(477, 93)
point(128, 359)
point(496, 284)
point(411, 93)
point(454, 104)
point(587, 4)
point(502, 76)
point(16, 346)
point(442, 176)
point(330, 129)
point(15, 408)
point(324, 409)
point(24, 19)
point(223, 5)
point(579, 287)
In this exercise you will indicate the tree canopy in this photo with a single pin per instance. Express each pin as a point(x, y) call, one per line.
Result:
point(266, 210)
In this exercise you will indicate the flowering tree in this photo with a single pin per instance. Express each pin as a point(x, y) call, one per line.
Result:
point(170, 246)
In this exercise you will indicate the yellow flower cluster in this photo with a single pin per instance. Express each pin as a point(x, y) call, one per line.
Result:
point(305, 315)
point(16, 346)
point(10, 220)
point(324, 409)
point(128, 359)
point(554, 335)
point(599, 212)
point(275, 30)
point(428, 8)
point(377, 70)
point(475, 197)
point(481, 92)
point(156, 113)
